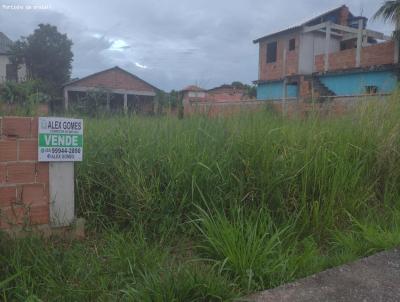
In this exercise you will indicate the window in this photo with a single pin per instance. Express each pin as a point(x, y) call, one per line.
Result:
point(371, 89)
point(347, 45)
point(271, 52)
point(292, 44)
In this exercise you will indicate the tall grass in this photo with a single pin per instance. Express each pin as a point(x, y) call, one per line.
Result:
point(209, 209)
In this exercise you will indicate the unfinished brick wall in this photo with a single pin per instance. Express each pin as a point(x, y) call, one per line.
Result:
point(373, 55)
point(335, 107)
point(344, 59)
point(274, 71)
point(378, 54)
point(24, 182)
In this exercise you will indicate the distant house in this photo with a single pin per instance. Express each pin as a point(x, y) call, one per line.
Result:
point(194, 93)
point(123, 90)
point(227, 93)
point(331, 55)
point(8, 71)
point(223, 93)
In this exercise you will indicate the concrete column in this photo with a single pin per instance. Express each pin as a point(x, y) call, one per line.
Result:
point(327, 46)
point(61, 187)
point(359, 42)
point(66, 99)
point(125, 103)
point(108, 101)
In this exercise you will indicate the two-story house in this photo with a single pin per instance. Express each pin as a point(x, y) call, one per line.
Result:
point(8, 71)
point(333, 54)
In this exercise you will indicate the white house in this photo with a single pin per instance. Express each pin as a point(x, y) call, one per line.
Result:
point(8, 71)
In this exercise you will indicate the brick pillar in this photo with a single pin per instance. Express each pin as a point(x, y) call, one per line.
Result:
point(24, 182)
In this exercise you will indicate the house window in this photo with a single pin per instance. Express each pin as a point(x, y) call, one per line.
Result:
point(292, 44)
point(272, 52)
point(347, 45)
point(371, 89)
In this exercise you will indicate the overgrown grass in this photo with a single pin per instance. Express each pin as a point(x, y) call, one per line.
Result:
point(211, 209)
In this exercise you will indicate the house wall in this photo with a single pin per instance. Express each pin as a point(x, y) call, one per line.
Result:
point(354, 84)
point(372, 55)
point(225, 95)
point(275, 71)
point(311, 45)
point(274, 91)
point(215, 95)
point(3, 63)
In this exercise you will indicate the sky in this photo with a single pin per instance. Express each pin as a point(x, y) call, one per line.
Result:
point(170, 43)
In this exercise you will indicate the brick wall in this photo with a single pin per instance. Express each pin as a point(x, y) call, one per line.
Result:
point(344, 15)
point(274, 71)
point(335, 107)
point(24, 182)
point(344, 59)
point(305, 88)
point(379, 54)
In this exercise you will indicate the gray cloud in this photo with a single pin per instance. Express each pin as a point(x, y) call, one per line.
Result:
point(172, 43)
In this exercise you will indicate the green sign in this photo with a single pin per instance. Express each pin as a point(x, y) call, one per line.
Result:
point(60, 139)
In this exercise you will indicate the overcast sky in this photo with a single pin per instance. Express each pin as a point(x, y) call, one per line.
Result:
point(171, 43)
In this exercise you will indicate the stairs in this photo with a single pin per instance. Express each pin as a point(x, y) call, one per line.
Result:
point(321, 91)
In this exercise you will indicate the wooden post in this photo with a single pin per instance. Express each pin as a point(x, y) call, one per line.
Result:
point(327, 46)
point(359, 42)
point(125, 103)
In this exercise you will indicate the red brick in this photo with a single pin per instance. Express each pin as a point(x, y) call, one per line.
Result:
point(2, 173)
point(274, 71)
point(28, 149)
point(8, 195)
point(17, 127)
point(13, 215)
point(34, 194)
point(34, 127)
point(8, 150)
point(42, 173)
point(21, 173)
point(39, 214)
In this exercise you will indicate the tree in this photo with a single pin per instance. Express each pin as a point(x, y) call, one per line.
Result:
point(238, 85)
point(390, 12)
point(47, 55)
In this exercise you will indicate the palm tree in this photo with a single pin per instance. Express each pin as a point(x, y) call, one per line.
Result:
point(390, 12)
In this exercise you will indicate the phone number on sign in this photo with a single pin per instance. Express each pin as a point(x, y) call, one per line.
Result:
point(62, 150)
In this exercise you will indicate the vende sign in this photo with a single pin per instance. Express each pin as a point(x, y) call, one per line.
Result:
point(60, 139)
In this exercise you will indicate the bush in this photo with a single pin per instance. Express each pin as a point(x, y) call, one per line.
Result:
point(23, 98)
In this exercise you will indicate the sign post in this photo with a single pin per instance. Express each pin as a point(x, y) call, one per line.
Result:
point(60, 142)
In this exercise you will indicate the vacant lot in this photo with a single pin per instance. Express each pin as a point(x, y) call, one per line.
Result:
point(211, 209)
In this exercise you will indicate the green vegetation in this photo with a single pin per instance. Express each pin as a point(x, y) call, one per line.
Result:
point(211, 209)
point(47, 56)
point(22, 98)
